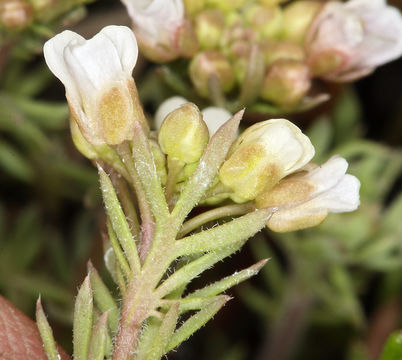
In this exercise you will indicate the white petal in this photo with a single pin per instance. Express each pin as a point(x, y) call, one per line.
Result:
point(167, 107)
point(215, 117)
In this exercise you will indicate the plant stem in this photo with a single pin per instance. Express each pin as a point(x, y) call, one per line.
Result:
point(215, 214)
point(174, 167)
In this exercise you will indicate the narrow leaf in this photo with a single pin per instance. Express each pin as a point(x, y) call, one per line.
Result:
point(196, 321)
point(103, 299)
point(145, 166)
point(46, 333)
point(148, 335)
point(224, 235)
point(82, 324)
point(119, 221)
point(228, 282)
point(188, 304)
point(165, 333)
point(208, 167)
point(188, 272)
point(97, 346)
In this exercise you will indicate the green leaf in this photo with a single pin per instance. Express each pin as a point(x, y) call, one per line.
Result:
point(103, 299)
point(188, 272)
point(46, 333)
point(208, 167)
point(229, 281)
point(196, 321)
point(97, 346)
point(14, 163)
point(119, 221)
point(393, 347)
point(148, 336)
point(165, 333)
point(82, 325)
point(224, 235)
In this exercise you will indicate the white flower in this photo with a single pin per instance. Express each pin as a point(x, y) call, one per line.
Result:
point(349, 40)
point(97, 76)
point(262, 155)
point(304, 199)
point(161, 27)
point(213, 116)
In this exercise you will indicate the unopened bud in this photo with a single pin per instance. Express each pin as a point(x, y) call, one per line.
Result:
point(262, 155)
point(184, 134)
point(286, 82)
point(209, 26)
point(273, 51)
point(208, 64)
point(186, 40)
point(15, 14)
point(297, 18)
point(194, 6)
point(327, 62)
point(267, 21)
point(226, 5)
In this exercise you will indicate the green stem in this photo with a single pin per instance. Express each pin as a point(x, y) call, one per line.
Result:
point(215, 214)
point(174, 167)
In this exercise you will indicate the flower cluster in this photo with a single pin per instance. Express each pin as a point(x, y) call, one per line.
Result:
point(278, 49)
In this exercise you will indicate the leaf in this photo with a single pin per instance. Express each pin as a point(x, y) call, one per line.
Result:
point(103, 299)
point(82, 325)
point(46, 333)
point(208, 167)
point(148, 335)
point(97, 346)
point(119, 221)
point(14, 163)
point(393, 347)
point(165, 333)
point(196, 321)
point(224, 235)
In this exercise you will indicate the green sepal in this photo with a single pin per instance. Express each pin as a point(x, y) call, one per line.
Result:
point(103, 299)
point(97, 345)
point(82, 324)
point(196, 321)
point(46, 333)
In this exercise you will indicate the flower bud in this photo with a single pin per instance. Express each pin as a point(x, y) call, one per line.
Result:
point(297, 18)
point(194, 6)
point(183, 134)
point(207, 64)
point(262, 155)
point(286, 82)
point(267, 21)
point(167, 107)
point(368, 34)
point(273, 51)
point(15, 14)
point(304, 199)
point(226, 5)
point(97, 76)
point(208, 26)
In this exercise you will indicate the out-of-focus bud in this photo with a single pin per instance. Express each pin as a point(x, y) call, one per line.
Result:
point(286, 82)
point(160, 161)
point(209, 26)
point(194, 6)
point(226, 5)
point(297, 18)
point(282, 50)
point(15, 14)
point(267, 21)
point(262, 155)
point(183, 134)
point(167, 107)
point(305, 199)
point(237, 41)
point(97, 76)
point(349, 40)
point(161, 28)
point(208, 64)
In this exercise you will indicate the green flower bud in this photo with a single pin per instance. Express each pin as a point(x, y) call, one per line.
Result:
point(286, 82)
point(207, 64)
point(267, 21)
point(273, 51)
point(297, 18)
point(184, 134)
point(226, 5)
point(209, 26)
point(326, 62)
point(15, 14)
